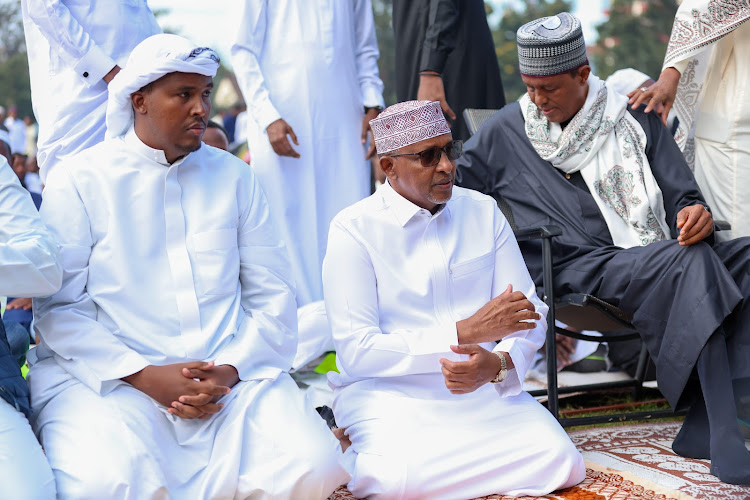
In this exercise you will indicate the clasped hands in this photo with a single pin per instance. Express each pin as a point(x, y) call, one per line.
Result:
point(190, 390)
point(507, 313)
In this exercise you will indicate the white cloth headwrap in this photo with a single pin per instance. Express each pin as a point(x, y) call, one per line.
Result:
point(698, 25)
point(153, 58)
point(607, 145)
point(5, 137)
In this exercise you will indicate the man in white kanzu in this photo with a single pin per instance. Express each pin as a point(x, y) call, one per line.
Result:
point(706, 76)
point(421, 280)
point(162, 371)
point(309, 74)
point(75, 48)
point(29, 265)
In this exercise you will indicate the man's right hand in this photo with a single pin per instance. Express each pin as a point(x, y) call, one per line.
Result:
point(166, 384)
point(507, 313)
point(431, 89)
point(277, 136)
point(660, 95)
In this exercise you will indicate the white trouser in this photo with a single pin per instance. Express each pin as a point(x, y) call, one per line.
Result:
point(24, 471)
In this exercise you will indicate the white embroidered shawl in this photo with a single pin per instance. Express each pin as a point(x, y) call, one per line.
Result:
point(607, 145)
point(698, 25)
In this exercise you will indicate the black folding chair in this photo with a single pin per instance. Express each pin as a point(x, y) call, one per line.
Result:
point(579, 311)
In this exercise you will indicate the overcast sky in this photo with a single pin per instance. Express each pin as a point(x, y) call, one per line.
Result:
point(214, 23)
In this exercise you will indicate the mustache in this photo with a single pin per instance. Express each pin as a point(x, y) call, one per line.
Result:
point(447, 178)
point(200, 122)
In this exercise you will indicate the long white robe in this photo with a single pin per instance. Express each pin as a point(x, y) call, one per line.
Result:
point(314, 64)
point(72, 45)
point(710, 47)
point(396, 280)
point(29, 265)
point(163, 264)
point(722, 133)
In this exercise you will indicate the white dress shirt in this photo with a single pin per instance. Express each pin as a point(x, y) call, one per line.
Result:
point(163, 264)
point(397, 279)
point(29, 264)
point(72, 45)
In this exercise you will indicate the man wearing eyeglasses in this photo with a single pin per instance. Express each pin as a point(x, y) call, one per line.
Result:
point(435, 320)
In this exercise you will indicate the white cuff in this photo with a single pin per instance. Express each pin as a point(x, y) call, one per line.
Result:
point(680, 66)
point(265, 114)
point(371, 98)
point(513, 383)
point(94, 66)
point(433, 340)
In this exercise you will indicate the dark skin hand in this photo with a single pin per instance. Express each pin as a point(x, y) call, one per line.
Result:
point(109, 76)
point(369, 115)
point(507, 313)
point(203, 405)
point(277, 136)
point(659, 96)
point(431, 89)
point(463, 377)
point(22, 303)
point(169, 384)
point(565, 346)
point(695, 224)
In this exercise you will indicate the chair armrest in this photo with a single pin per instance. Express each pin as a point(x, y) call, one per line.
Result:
point(722, 225)
point(535, 233)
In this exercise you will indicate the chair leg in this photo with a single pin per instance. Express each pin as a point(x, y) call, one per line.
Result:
point(549, 298)
point(640, 372)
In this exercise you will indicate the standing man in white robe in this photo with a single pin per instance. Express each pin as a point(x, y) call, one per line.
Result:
point(308, 71)
point(706, 77)
point(175, 325)
point(75, 48)
point(421, 280)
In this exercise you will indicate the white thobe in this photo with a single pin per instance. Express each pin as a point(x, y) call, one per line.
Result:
point(165, 264)
point(314, 64)
point(71, 46)
point(722, 131)
point(29, 266)
point(396, 281)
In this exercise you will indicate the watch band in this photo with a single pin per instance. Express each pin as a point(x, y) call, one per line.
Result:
point(503, 369)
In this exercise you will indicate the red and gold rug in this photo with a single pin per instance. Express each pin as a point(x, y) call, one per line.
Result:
point(633, 462)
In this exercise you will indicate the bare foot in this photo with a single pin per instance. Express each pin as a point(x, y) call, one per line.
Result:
point(341, 436)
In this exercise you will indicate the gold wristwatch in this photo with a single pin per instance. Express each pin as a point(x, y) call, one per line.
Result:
point(503, 369)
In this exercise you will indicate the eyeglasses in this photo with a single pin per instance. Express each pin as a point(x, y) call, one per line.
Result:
point(431, 156)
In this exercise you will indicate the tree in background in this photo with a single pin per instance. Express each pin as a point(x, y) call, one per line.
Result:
point(635, 36)
point(383, 15)
point(504, 35)
point(14, 66)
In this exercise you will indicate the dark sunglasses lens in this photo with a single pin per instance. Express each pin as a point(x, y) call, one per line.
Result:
point(454, 150)
point(431, 157)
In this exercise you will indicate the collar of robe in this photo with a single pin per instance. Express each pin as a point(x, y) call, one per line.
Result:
point(136, 145)
point(403, 209)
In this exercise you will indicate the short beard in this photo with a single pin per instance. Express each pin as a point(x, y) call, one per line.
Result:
point(433, 199)
point(189, 149)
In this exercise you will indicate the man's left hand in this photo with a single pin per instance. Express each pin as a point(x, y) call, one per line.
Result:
point(463, 377)
point(695, 224)
point(23, 303)
point(369, 115)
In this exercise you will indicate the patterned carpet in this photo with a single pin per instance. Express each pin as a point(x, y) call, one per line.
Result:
point(634, 462)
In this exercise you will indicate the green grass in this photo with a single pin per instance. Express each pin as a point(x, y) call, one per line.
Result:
point(613, 397)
